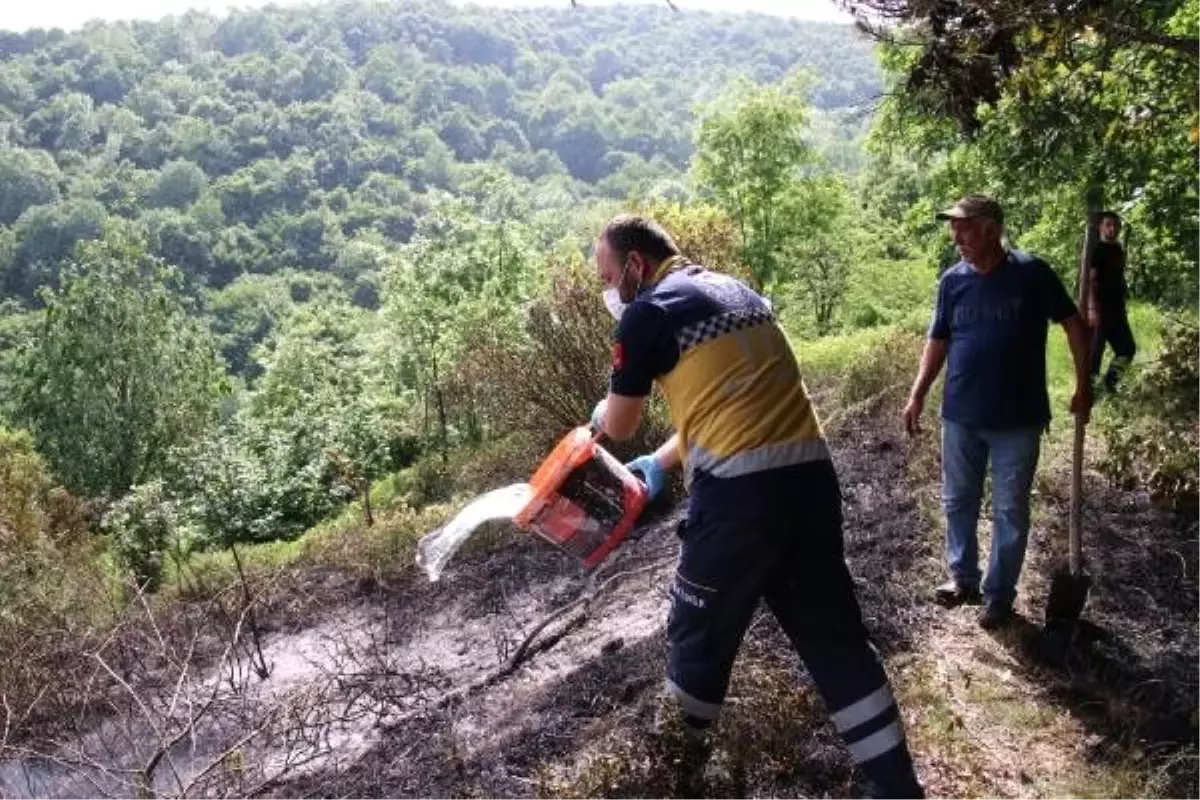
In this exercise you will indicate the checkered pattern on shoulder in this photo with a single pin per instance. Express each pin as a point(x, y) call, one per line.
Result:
point(719, 325)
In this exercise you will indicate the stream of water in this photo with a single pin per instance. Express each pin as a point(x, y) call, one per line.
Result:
point(436, 548)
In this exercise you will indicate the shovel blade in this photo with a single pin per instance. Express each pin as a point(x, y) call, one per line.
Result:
point(1068, 594)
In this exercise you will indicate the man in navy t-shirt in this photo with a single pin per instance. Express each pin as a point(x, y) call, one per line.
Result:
point(989, 328)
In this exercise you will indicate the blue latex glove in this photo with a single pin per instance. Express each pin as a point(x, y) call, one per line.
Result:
point(651, 472)
point(599, 413)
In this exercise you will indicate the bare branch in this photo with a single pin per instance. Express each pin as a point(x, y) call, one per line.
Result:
point(229, 751)
point(1128, 33)
point(150, 720)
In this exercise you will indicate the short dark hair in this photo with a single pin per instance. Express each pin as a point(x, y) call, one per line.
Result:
point(626, 233)
point(1114, 216)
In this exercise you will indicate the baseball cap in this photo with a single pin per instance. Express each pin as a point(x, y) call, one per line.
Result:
point(974, 205)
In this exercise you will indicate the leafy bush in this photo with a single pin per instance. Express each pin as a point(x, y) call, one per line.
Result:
point(1152, 427)
point(146, 526)
point(705, 234)
point(547, 383)
point(53, 585)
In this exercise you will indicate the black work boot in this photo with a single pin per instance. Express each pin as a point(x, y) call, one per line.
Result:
point(995, 616)
point(904, 790)
point(892, 775)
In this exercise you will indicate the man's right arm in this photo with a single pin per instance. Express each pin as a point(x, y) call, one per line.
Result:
point(932, 359)
point(641, 350)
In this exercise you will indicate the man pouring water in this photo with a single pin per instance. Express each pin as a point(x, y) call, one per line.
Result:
point(764, 509)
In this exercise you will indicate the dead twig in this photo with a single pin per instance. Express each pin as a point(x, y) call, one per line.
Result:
point(522, 652)
point(229, 751)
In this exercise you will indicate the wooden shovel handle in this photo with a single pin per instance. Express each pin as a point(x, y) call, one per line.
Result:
point(1075, 534)
point(1074, 531)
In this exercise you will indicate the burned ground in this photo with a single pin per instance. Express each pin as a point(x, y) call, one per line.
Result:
point(390, 686)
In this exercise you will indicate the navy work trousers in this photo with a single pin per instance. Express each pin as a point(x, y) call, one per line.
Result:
point(794, 561)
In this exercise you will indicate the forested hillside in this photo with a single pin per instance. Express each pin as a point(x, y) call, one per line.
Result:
point(275, 139)
point(281, 290)
point(244, 194)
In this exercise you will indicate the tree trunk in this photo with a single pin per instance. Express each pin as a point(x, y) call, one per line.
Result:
point(260, 665)
point(474, 427)
point(1095, 204)
point(368, 517)
point(439, 396)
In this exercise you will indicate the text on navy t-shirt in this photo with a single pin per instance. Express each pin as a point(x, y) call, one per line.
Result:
point(994, 326)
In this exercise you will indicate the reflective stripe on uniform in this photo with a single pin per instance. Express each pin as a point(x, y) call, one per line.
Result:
point(864, 709)
point(769, 456)
point(878, 743)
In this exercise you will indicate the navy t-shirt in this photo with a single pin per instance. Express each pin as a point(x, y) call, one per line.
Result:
point(995, 326)
point(1109, 263)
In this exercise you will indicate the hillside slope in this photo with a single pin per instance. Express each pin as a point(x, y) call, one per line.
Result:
point(402, 688)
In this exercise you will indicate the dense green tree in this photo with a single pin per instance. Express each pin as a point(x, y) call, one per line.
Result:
point(43, 237)
point(826, 246)
point(751, 151)
point(27, 178)
point(274, 111)
point(1103, 110)
point(68, 122)
point(180, 241)
point(120, 372)
point(321, 421)
point(467, 268)
point(179, 185)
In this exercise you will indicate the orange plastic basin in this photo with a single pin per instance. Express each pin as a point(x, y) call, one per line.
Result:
point(584, 500)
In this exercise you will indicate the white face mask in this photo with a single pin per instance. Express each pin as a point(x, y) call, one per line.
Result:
point(612, 296)
point(612, 301)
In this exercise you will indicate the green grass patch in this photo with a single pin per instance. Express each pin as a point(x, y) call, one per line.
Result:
point(860, 371)
point(882, 293)
point(826, 358)
point(1146, 321)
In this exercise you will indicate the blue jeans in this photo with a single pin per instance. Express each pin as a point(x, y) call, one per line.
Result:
point(1014, 456)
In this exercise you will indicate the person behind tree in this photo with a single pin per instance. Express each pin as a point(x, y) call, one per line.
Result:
point(764, 511)
point(1106, 311)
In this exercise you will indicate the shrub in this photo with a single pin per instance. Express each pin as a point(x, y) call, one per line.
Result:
point(1152, 426)
point(145, 526)
point(548, 382)
point(885, 369)
point(705, 234)
point(53, 586)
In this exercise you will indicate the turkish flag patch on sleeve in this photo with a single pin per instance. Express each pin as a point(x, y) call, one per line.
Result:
point(618, 356)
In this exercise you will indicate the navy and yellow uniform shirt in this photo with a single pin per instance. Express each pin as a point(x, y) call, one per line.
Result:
point(731, 382)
